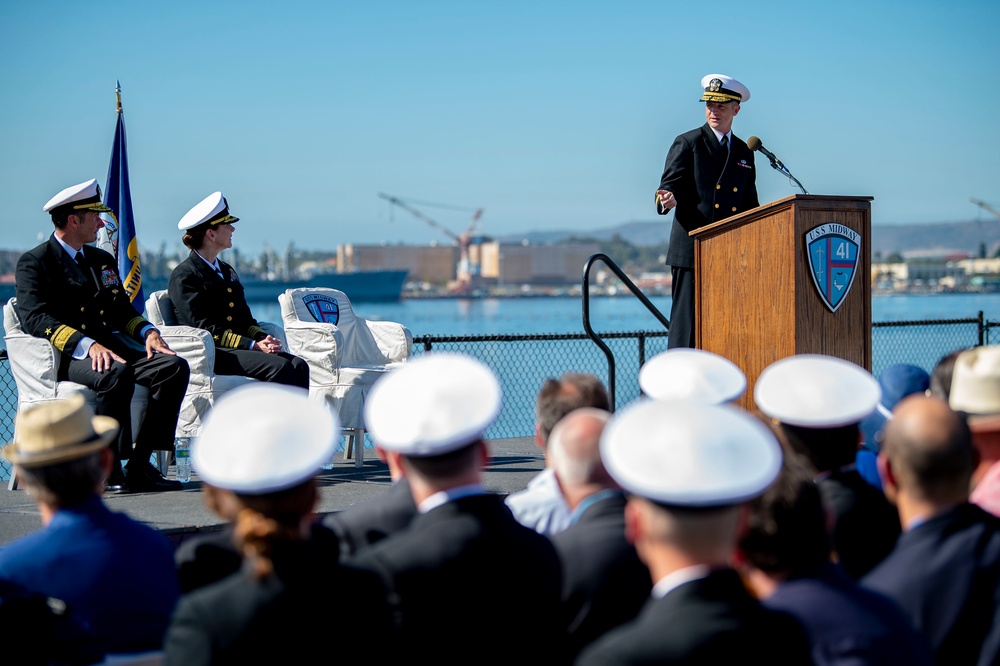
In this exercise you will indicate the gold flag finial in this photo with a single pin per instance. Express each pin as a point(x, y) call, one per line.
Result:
point(118, 95)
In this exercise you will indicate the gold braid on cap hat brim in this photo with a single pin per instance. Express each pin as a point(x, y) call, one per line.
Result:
point(93, 204)
point(222, 218)
point(721, 96)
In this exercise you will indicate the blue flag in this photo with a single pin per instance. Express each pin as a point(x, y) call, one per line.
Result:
point(118, 197)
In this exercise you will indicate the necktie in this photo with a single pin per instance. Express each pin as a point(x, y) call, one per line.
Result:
point(81, 261)
point(725, 142)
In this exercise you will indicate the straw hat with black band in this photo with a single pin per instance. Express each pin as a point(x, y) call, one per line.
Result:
point(58, 432)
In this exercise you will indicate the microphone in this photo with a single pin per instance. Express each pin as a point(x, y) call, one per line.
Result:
point(753, 143)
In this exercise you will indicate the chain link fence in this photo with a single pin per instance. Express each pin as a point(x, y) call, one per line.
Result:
point(523, 362)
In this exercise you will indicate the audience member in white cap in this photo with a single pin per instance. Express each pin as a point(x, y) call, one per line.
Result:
point(207, 293)
point(472, 584)
point(709, 175)
point(784, 556)
point(692, 374)
point(115, 575)
point(975, 391)
point(945, 569)
point(70, 293)
point(541, 506)
point(818, 403)
point(260, 450)
point(605, 584)
point(690, 469)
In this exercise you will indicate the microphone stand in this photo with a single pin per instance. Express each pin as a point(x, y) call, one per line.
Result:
point(782, 169)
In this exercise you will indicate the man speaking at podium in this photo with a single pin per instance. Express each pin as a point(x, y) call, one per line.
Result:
point(709, 175)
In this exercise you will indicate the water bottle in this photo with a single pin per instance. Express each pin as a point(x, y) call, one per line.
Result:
point(182, 454)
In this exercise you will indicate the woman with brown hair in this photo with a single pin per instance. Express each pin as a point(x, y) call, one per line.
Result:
point(258, 455)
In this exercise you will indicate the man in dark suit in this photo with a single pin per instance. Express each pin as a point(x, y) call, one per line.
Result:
point(206, 293)
point(466, 577)
point(686, 503)
point(604, 582)
point(818, 402)
point(709, 175)
point(70, 293)
point(945, 569)
point(785, 559)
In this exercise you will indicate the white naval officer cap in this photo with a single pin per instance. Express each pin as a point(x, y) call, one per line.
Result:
point(84, 196)
point(435, 403)
point(212, 210)
point(816, 391)
point(692, 374)
point(975, 386)
point(722, 88)
point(261, 438)
point(692, 455)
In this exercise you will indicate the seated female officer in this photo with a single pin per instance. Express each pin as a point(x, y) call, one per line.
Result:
point(206, 293)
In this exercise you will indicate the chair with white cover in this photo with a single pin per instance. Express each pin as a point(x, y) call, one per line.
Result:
point(34, 362)
point(346, 353)
point(196, 346)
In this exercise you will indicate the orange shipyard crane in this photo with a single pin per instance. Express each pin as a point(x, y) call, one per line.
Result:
point(467, 270)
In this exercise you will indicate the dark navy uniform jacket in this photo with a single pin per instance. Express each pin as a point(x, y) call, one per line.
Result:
point(62, 303)
point(472, 585)
point(205, 300)
point(945, 573)
point(712, 620)
point(709, 183)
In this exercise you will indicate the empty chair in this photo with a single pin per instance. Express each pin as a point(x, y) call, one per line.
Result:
point(346, 353)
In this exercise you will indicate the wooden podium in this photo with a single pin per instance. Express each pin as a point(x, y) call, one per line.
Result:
point(777, 281)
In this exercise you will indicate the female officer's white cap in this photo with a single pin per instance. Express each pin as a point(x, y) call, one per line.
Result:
point(262, 438)
point(213, 209)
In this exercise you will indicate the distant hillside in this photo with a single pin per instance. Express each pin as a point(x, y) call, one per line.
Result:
point(937, 238)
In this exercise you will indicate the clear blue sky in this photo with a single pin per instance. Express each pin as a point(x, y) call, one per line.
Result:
point(548, 115)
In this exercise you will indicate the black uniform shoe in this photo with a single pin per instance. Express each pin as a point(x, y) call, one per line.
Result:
point(116, 482)
point(147, 479)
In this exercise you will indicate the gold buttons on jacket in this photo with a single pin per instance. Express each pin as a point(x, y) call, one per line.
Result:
point(83, 327)
point(734, 209)
point(232, 305)
point(83, 309)
point(736, 189)
point(718, 187)
point(229, 318)
point(229, 289)
point(102, 312)
point(716, 205)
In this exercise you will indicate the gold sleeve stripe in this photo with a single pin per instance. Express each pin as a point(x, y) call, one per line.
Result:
point(135, 325)
point(230, 340)
point(255, 331)
point(61, 337)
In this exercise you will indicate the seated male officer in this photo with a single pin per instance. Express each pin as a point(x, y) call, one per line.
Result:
point(70, 293)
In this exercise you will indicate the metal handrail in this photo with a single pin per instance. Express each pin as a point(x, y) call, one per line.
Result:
point(620, 274)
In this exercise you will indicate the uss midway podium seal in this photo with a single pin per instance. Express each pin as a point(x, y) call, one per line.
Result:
point(833, 251)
